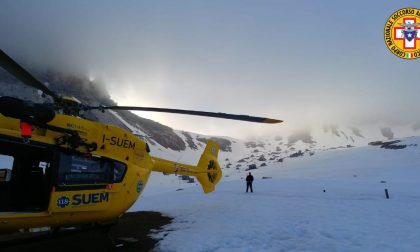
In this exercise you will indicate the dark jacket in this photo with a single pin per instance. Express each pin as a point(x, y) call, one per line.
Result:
point(249, 178)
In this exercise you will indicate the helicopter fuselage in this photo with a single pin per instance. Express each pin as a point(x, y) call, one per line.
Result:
point(45, 182)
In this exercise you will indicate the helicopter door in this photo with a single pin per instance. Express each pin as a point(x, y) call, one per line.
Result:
point(25, 177)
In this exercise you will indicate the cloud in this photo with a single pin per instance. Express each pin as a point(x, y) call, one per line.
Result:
point(298, 62)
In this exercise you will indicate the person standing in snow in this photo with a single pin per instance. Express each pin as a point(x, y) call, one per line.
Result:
point(249, 180)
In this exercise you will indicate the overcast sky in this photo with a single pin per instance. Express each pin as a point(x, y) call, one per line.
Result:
point(306, 62)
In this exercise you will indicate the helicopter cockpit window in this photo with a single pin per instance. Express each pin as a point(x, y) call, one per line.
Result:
point(80, 170)
point(6, 166)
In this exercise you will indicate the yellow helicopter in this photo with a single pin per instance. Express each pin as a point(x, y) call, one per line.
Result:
point(58, 169)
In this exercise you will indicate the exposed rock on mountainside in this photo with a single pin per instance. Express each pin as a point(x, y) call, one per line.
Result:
point(190, 141)
point(225, 145)
point(162, 134)
point(251, 167)
point(253, 144)
point(393, 145)
point(296, 154)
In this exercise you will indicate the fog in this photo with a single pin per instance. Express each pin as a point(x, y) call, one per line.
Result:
point(305, 63)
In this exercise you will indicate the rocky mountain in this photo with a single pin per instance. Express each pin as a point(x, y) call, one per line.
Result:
point(307, 143)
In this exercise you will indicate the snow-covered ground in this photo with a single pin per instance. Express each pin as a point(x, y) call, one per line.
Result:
point(291, 212)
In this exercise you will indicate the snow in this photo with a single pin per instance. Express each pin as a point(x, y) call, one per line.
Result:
point(291, 211)
point(134, 130)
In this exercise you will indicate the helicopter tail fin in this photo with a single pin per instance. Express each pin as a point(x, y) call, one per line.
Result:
point(210, 172)
point(207, 171)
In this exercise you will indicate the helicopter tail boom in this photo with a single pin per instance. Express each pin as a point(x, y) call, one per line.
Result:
point(207, 171)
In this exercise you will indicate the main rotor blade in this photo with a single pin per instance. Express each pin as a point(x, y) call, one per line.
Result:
point(196, 113)
point(24, 76)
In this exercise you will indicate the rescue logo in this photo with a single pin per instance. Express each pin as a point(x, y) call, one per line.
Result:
point(83, 199)
point(63, 201)
point(402, 33)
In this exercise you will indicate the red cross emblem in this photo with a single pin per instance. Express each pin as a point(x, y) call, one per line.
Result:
point(398, 34)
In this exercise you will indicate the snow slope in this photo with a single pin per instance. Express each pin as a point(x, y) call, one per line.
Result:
point(291, 211)
point(238, 156)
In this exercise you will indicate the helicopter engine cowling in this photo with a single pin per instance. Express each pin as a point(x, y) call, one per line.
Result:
point(29, 112)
